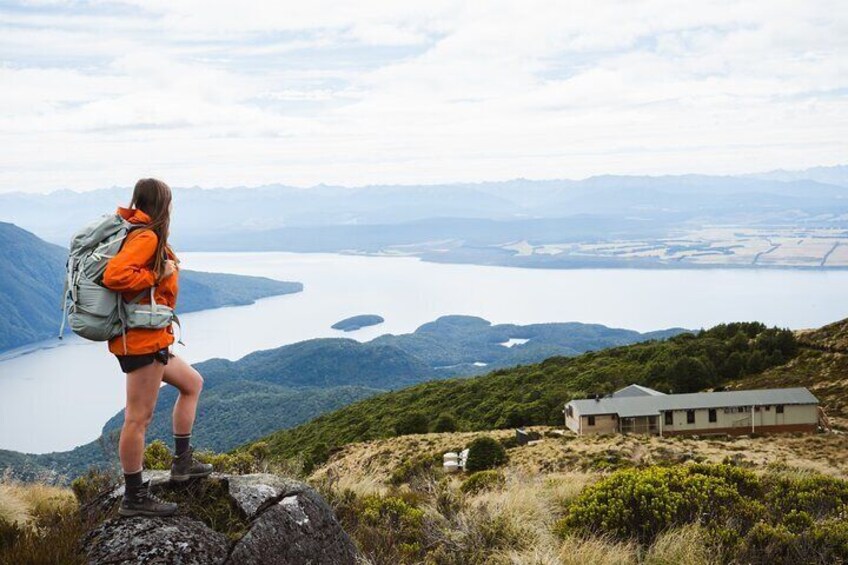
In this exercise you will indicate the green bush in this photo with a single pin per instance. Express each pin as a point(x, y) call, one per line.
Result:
point(483, 480)
point(259, 451)
point(390, 529)
point(317, 455)
point(766, 542)
point(157, 456)
point(484, 453)
point(817, 495)
point(238, 463)
point(92, 484)
point(779, 517)
point(639, 504)
point(829, 539)
point(445, 423)
point(412, 423)
point(414, 467)
point(509, 442)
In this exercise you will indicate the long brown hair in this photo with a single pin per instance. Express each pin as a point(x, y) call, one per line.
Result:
point(153, 197)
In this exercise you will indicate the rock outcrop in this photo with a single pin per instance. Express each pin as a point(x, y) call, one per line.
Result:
point(225, 519)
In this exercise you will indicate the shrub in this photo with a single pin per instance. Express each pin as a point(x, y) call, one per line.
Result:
point(781, 517)
point(509, 442)
point(238, 463)
point(483, 480)
point(445, 423)
point(391, 527)
point(92, 484)
point(484, 453)
point(642, 503)
point(259, 451)
point(316, 456)
point(412, 423)
point(766, 542)
point(829, 540)
point(411, 468)
point(157, 456)
point(817, 495)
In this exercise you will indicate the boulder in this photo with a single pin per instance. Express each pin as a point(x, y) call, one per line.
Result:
point(311, 535)
point(225, 519)
point(177, 540)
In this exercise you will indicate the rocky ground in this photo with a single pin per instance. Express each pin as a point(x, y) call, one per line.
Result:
point(226, 519)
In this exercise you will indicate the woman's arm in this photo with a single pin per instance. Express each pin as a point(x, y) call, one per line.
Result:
point(128, 270)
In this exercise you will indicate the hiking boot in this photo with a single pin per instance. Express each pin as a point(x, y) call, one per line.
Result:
point(186, 467)
point(139, 501)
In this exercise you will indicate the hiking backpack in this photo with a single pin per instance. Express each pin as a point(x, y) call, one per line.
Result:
point(92, 310)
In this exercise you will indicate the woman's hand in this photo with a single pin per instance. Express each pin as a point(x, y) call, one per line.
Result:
point(170, 268)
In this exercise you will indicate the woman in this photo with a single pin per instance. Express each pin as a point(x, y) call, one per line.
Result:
point(146, 260)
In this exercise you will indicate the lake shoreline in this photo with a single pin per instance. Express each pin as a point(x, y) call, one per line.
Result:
point(39, 388)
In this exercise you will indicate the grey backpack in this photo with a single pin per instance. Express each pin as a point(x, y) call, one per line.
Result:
point(92, 310)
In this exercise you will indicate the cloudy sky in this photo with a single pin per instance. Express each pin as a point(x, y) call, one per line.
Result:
point(96, 94)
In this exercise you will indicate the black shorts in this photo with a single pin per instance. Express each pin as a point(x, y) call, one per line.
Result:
point(130, 363)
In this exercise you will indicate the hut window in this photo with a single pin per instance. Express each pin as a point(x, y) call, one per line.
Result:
point(669, 418)
point(713, 415)
point(779, 408)
point(591, 420)
point(690, 416)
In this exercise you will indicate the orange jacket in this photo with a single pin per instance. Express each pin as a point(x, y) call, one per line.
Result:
point(130, 271)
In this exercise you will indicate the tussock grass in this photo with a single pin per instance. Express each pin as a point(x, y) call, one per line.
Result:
point(589, 455)
point(38, 524)
point(579, 551)
point(22, 503)
point(688, 544)
point(513, 521)
point(13, 510)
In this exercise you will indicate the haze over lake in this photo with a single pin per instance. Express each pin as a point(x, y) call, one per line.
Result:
point(56, 398)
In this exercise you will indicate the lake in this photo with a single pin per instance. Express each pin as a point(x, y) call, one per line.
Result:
point(59, 396)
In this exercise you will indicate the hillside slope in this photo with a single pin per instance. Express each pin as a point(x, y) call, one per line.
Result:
point(821, 365)
point(270, 390)
point(535, 394)
point(30, 287)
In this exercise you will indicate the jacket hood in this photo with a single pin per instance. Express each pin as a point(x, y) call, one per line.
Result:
point(134, 215)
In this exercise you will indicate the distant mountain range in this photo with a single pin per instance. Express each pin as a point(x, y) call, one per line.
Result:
point(287, 386)
point(837, 175)
point(768, 219)
point(31, 288)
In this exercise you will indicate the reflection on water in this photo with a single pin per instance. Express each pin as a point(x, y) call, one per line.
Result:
point(56, 398)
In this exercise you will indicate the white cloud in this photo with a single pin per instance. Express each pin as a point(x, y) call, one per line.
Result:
point(219, 93)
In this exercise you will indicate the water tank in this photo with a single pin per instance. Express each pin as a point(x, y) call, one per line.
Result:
point(450, 462)
point(451, 466)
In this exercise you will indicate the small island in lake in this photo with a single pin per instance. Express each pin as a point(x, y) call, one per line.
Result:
point(358, 322)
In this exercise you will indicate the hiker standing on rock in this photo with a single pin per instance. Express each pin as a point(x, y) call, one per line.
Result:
point(145, 273)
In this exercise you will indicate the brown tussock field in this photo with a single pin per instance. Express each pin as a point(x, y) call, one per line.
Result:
point(375, 461)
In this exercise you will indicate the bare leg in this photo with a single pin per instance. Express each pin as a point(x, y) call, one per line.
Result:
point(189, 382)
point(142, 391)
